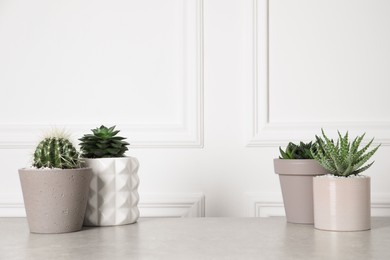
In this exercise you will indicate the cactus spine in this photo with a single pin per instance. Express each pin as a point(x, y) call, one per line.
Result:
point(56, 152)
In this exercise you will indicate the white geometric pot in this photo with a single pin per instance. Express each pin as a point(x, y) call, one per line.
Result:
point(342, 204)
point(113, 195)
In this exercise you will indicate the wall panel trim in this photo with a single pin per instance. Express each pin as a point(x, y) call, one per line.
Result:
point(262, 132)
point(271, 205)
point(188, 133)
point(186, 205)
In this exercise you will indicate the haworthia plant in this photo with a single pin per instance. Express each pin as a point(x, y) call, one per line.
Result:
point(343, 158)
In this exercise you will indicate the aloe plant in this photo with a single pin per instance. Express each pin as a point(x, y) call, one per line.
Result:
point(103, 143)
point(293, 151)
point(343, 158)
point(56, 152)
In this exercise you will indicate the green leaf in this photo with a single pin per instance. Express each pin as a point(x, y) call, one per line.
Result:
point(343, 158)
point(103, 143)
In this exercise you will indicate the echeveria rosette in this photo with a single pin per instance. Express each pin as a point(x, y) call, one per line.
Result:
point(293, 151)
point(103, 143)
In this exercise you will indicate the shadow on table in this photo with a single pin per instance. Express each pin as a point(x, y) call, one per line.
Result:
point(379, 223)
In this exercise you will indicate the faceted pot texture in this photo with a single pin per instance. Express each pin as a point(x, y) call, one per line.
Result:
point(55, 200)
point(296, 182)
point(113, 197)
point(342, 204)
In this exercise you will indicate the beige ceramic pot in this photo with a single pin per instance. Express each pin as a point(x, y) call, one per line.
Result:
point(342, 204)
point(55, 200)
point(113, 197)
point(296, 181)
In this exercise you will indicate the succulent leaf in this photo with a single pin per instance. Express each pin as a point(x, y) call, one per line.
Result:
point(293, 151)
point(363, 168)
point(343, 158)
point(103, 143)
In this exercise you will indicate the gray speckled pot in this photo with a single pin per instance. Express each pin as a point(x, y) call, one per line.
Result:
point(55, 199)
point(296, 181)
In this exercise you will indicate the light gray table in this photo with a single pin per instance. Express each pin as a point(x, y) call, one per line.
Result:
point(197, 238)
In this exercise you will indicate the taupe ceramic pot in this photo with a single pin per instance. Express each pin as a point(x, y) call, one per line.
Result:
point(55, 200)
point(342, 204)
point(296, 181)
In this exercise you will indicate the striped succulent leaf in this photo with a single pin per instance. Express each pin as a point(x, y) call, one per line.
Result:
point(343, 158)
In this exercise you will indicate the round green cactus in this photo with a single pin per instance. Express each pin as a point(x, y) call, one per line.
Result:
point(56, 152)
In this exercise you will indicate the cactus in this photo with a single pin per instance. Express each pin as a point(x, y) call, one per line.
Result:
point(56, 152)
point(103, 143)
point(293, 151)
point(343, 158)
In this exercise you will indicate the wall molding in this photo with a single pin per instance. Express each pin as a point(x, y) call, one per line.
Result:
point(187, 205)
point(172, 205)
point(262, 131)
point(188, 133)
point(271, 205)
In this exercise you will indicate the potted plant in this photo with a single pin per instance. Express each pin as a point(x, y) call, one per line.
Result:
point(342, 198)
point(55, 189)
point(296, 168)
point(113, 197)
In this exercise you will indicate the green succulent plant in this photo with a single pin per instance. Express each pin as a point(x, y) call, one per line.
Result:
point(293, 151)
point(56, 152)
point(343, 158)
point(103, 143)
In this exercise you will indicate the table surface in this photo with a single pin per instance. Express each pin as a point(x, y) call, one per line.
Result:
point(197, 238)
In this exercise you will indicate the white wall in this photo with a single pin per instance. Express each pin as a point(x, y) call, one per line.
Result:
point(205, 91)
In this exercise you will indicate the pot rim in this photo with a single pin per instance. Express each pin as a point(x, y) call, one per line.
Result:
point(109, 158)
point(331, 177)
point(53, 169)
point(298, 167)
